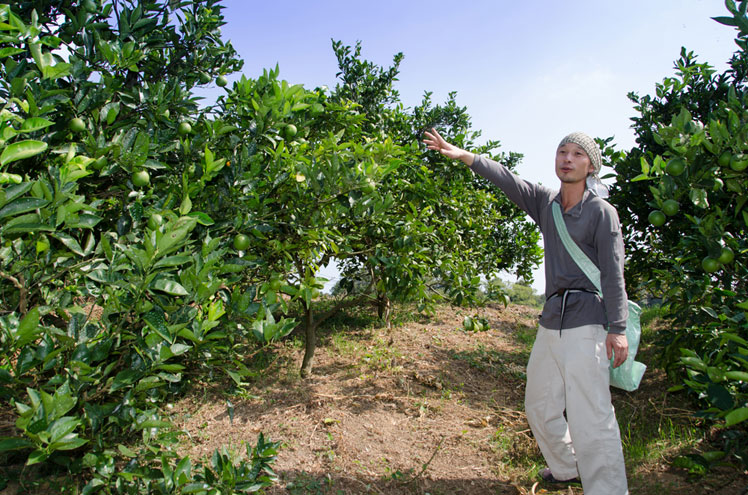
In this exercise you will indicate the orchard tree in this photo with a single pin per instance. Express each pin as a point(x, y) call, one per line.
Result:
point(300, 186)
point(109, 274)
point(444, 227)
point(681, 194)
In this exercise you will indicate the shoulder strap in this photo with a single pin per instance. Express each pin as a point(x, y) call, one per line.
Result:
point(576, 253)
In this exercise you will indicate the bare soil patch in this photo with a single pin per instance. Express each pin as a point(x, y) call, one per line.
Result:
point(423, 408)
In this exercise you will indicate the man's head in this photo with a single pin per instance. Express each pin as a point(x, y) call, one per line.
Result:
point(588, 145)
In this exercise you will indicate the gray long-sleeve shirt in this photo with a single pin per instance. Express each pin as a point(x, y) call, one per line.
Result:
point(593, 224)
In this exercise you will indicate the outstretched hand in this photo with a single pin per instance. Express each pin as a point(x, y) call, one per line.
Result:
point(434, 141)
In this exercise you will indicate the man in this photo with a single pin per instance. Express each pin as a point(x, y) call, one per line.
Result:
point(578, 331)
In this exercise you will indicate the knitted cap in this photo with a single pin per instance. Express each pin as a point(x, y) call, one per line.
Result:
point(588, 145)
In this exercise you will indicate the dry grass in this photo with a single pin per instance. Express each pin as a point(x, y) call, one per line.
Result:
point(427, 408)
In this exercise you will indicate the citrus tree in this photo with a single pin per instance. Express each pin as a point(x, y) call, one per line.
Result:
point(682, 196)
point(443, 228)
point(302, 183)
point(110, 274)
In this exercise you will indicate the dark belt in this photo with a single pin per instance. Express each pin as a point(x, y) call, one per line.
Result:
point(563, 293)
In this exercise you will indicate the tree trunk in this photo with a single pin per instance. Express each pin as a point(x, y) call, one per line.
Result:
point(310, 331)
point(384, 310)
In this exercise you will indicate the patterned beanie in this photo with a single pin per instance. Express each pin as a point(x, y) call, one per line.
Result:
point(588, 145)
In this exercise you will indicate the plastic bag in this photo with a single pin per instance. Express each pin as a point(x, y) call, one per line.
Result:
point(628, 375)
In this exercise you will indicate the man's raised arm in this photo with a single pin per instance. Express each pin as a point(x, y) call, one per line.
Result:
point(434, 141)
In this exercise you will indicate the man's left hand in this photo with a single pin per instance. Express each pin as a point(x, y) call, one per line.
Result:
point(617, 345)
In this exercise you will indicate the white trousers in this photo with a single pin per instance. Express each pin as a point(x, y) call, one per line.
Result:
point(568, 371)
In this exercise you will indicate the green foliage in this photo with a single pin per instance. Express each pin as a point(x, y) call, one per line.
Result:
point(145, 240)
point(104, 310)
point(697, 119)
point(442, 227)
point(517, 293)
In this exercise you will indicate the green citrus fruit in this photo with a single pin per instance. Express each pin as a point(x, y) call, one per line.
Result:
point(204, 78)
point(241, 242)
point(100, 163)
point(184, 128)
point(155, 221)
point(369, 186)
point(710, 264)
point(656, 218)
point(89, 5)
point(670, 207)
point(675, 166)
point(724, 158)
point(141, 178)
point(77, 125)
point(726, 256)
point(739, 162)
point(275, 284)
point(290, 131)
point(222, 81)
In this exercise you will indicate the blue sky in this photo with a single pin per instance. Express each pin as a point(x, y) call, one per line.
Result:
point(529, 72)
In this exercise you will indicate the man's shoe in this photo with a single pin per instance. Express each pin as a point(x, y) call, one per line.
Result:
point(548, 477)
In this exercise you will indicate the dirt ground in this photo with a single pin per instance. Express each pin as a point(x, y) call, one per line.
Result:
point(425, 408)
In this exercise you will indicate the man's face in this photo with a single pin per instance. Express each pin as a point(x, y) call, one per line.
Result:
point(572, 163)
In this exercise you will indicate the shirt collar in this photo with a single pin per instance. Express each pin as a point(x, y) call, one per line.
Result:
point(576, 210)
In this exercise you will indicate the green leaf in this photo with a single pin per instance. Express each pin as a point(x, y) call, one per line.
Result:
point(719, 396)
point(28, 328)
point(153, 423)
point(201, 218)
point(36, 457)
point(169, 286)
point(175, 233)
point(62, 426)
point(15, 191)
point(736, 416)
point(21, 150)
point(737, 375)
point(12, 443)
point(71, 442)
point(10, 51)
point(35, 124)
point(22, 205)
point(124, 378)
point(84, 221)
point(6, 178)
point(69, 242)
point(155, 320)
point(126, 451)
point(698, 198)
point(171, 261)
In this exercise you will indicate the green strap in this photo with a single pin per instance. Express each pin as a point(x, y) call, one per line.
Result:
point(576, 253)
